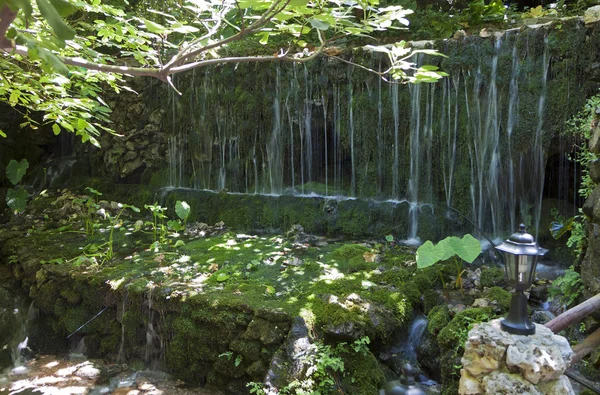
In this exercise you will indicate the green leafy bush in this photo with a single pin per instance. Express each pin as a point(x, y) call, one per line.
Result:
point(567, 288)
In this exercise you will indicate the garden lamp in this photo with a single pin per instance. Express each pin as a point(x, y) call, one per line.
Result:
point(520, 253)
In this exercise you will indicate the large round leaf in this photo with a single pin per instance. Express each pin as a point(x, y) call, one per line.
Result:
point(428, 254)
point(16, 199)
point(16, 170)
point(182, 209)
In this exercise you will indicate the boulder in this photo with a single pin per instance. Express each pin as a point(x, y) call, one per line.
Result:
point(592, 15)
point(502, 363)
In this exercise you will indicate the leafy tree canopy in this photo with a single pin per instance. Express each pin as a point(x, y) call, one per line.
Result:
point(56, 56)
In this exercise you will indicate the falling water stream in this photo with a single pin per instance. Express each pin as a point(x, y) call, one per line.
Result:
point(459, 142)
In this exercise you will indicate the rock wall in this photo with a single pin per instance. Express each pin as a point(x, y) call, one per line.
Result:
point(590, 267)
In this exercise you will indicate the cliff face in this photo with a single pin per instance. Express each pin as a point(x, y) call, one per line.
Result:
point(590, 266)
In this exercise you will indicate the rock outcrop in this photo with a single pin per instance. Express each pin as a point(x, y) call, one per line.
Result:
point(496, 362)
point(590, 270)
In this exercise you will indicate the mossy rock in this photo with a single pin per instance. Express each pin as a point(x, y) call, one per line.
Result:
point(438, 318)
point(455, 333)
point(500, 298)
point(349, 251)
point(431, 299)
point(492, 277)
point(267, 332)
point(362, 373)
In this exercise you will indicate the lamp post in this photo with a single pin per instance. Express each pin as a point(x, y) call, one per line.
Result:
point(520, 253)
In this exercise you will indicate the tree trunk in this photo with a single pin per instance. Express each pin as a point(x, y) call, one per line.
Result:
point(575, 314)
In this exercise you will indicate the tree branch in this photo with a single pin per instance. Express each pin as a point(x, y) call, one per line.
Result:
point(273, 10)
point(126, 70)
point(7, 16)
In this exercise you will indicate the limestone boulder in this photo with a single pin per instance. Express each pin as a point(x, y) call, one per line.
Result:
point(592, 15)
point(508, 384)
point(541, 357)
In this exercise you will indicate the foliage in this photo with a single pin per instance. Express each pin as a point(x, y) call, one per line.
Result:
point(579, 126)
point(159, 230)
point(16, 199)
point(468, 248)
point(57, 56)
point(567, 288)
point(324, 363)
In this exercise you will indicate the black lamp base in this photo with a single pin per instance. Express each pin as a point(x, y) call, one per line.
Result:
point(517, 321)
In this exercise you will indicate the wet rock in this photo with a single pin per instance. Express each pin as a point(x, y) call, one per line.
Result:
point(542, 317)
point(291, 360)
point(538, 293)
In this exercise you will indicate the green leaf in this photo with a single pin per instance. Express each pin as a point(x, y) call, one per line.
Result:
point(184, 29)
point(389, 238)
point(180, 243)
point(16, 170)
point(61, 29)
point(428, 254)
point(16, 199)
point(270, 289)
point(182, 209)
point(154, 27)
point(317, 24)
point(56, 129)
point(468, 248)
point(557, 228)
point(2, 134)
point(222, 277)
point(63, 7)
point(445, 249)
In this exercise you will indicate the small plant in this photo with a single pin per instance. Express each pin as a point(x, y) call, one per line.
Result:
point(182, 209)
point(159, 230)
point(468, 248)
point(567, 288)
point(324, 364)
point(91, 204)
point(16, 199)
point(114, 222)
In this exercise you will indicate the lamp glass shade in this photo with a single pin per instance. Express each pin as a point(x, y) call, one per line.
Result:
point(520, 269)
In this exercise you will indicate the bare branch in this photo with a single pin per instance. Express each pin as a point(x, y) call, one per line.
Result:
point(273, 10)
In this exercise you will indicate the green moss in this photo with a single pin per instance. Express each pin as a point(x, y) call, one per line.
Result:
point(72, 296)
point(132, 321)
point(500, 296)
point(438, 318)
point(431, 299)
point(455, 333)
point(493, 276)
point(349, 251)
point(394, 276)
point(362, 373)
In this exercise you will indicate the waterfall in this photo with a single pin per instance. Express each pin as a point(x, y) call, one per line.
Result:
point(274, 149)
point(415, 160)
point(466, 142)
point(540, 158)
point(396, 166)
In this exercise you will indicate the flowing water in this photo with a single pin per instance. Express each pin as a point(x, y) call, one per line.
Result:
point(465, 142)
